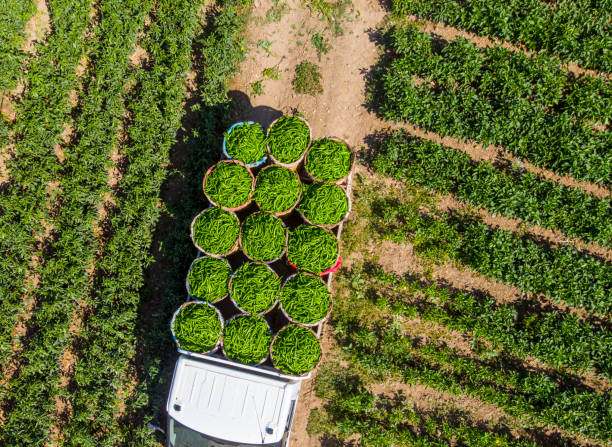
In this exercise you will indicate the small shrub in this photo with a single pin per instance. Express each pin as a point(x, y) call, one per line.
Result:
point(307, 79)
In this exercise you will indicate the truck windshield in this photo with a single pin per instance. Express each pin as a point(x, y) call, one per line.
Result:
point(181, 436)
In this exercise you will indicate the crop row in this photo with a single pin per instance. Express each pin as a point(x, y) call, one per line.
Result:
point(522, 328)
point(562, 273)
point(536, 398)
point(391, 420)
point(65, 277)
point(109, 345)
point(496, 96)
point(573, 30)
point(513, 192)
point(15, 15)
point(38, 128)
point(220, 47)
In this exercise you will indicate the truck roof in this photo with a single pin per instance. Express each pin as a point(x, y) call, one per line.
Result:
point(230, 404)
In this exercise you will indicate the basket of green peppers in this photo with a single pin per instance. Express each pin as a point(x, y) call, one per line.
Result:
point(208, 278)
point(245, 142)
point(263, 237)
point(215, 231)
point(288, 140)
point(247, 339)
point(229, 184)
point(197, 327)
point(329, 159)
point(313, 249)
point(324, 204)
point(277, 190)
point(254, 288)
point(295, 350)
point(305, 299)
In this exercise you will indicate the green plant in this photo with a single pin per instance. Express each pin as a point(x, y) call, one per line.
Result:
point(320, 44)
point(328, 160)
point(272, 73)
point(208, 278)
point(254, 288)
point(263, 237)
point(246, 339)
point(307, 79)
point(197, 327)
point(511, 192)
point(323, 203)
point(266, 45)
point(305, 298)
point(288, 139)
point(257, 87)
point(334, 13)
point(277, 11)
point(246, 143)
point(312, 249)
point(277, 189)
point(229, 184)
point(215, 231)
point(295, 350)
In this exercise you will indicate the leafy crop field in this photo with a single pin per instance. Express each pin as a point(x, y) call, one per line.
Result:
point(474, 301)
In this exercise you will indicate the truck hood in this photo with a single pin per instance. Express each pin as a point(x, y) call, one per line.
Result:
point(228, 403)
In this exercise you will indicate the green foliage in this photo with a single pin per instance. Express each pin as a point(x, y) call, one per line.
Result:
point(13, 18)
point(324, 203)
point(512, 193)
point(272, 73)
point(277, 189)
point(307, 79)
point(320, 44)
point(305, 298)
point(215, 231)
point(576, 31)
point(288, 139)
point(229, 184)
point(257, 87)
point(254, 288)
point(263, 237)
point(247, 339)
point(328, 160)
point(501, 97)
point(277, 11)
point(334, 13)
point(564, 274)
point(208, 278)
point(312, 249)
point(246, 143)
point(523, 328)
point(392, 420)
point(197, 327)
point(295, 350)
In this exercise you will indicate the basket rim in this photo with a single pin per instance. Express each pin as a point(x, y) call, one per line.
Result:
point(295, 204)
point(324, 229)
point(333, 225)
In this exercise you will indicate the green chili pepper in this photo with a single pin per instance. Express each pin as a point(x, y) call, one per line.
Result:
point(263, 237)
point(305, 298)
point(197, 327)
point(229, 184)
point(215, 231)
point(208, 279)
point(288, 139)
point(323, 203)
point(296, 350)
point(246, 143)
point(328, 160)
point(277, 189)
point(247, 339)
point(312, 249)
point(254, 288)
